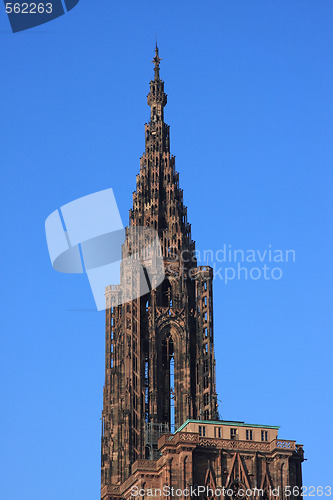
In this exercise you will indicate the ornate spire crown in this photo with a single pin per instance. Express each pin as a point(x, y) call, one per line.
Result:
point(156, 62)
point(156, 98)
point(158, 199)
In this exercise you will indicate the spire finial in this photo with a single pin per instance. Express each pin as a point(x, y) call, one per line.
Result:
point(156, 62)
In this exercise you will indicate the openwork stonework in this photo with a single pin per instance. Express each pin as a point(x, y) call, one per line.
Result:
point(160, 421)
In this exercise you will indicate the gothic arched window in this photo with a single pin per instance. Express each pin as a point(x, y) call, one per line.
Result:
point(168, 363)
point(166, 298)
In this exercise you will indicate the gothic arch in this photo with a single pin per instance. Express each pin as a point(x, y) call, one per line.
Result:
point(168, 368)
point(170, 325)
point(166, 293)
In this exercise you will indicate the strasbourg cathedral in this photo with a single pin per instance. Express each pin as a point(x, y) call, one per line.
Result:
point(160, 420)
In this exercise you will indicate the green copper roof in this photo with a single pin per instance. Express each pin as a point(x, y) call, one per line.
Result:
point(226, 422)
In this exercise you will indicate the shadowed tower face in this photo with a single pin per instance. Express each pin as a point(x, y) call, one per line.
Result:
point(159, 358)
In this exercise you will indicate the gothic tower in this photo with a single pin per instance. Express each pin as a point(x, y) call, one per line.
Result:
point(159, 359)
point(160, 424)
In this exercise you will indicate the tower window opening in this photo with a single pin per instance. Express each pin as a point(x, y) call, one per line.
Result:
point(249, 434)
point(148, 453)
point(264, 435)
point(166, 294)
point(233, 433)
point(172, 392)
point(202, 430)
point(168, 361)
point(146, 389)
point(135, 363)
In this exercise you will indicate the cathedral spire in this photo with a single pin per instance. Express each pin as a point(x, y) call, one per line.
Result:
point(160, 361)
point(158, 199)
point(159, 354)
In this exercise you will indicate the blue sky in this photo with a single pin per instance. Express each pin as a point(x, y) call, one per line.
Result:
point(250, 107)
